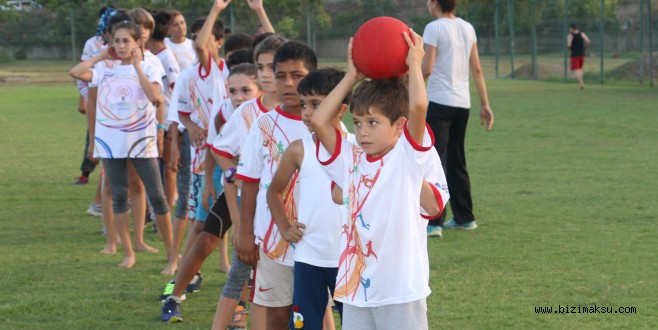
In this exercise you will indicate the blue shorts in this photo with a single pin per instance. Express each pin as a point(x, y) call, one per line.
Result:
point(197, 184)
point(309, 302)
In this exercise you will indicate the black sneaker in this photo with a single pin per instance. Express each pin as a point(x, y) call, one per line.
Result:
point(195, 283)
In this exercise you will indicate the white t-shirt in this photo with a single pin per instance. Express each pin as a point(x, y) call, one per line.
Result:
point(224, 111)
point(320, 244)
point(172, 70)
point(93, 46)
point(449, 81)
point(184, 52)
point(125, 118)
point(233, 134)
point(200, 91)
point(268, 138)
point(383, 257)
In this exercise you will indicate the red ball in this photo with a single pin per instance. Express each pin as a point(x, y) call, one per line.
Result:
point(379, 50)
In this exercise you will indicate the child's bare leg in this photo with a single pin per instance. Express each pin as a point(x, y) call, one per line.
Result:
point(328, 321)
point(138, 205)
point(164, 227)
point(98, 198)
point(178, 233)
point(123, 228)
point(224, 265)
point(224, 312)
point(170, 176)
point(196, 227)
point(257, 317)
point(111, 236)
point(193, 260)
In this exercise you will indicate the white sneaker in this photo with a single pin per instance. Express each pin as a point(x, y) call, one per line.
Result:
point(95, 210)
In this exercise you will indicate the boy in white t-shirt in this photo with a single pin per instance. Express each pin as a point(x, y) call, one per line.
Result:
point(316, 236)
point(259, 241)
point(383, 275)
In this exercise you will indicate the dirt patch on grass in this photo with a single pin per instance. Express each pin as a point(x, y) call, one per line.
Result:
point(543, 71)
point(631, 70)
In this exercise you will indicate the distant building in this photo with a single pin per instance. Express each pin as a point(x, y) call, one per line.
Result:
point(20, 5)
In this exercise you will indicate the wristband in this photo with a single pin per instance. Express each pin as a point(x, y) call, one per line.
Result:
point(162, 127)
point(228, 175)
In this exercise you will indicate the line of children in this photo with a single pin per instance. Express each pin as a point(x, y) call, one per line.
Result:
point(288, 231)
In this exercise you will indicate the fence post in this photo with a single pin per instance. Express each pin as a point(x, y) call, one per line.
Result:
point(566, 32)
point(602, 32)
point(497, 37)
point(73, 50)
point(308, 24)
point(533, 32)
point(642, 42)
point(650, 44)
point(510, 13)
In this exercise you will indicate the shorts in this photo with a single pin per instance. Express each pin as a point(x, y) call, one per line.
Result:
point(274, 282)
point(577, 63)
point(411, 315)
point(218, 220)
point(313, 287)
point(183, 177)
point(237, 277)
point(197, 184)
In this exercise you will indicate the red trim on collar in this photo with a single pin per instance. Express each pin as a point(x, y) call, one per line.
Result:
point(287, 114)
point(161, 50)
point(259, 102)
point(201, 75)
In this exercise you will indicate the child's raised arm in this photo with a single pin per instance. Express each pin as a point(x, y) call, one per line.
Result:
point(203, 38)
point(321, 120)
point(82, 70)
point(259, 10)
point(417, 90)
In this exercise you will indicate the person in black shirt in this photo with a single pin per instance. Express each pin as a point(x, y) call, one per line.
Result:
point(577, 42)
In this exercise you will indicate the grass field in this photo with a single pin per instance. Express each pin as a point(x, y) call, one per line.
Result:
point(565, 191)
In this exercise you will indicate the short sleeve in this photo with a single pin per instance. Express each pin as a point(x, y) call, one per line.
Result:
point(154, 74)
point(429, 34)
point(336, 165)
point(250, 165)
point(172, 112)
point(96, 74)
point(228, 141)
point(434, 175)
point(173, 70)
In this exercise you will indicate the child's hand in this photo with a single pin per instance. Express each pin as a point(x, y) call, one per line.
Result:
point(222, 4)
point(255, 4)
point(90, 152)
point(416, 50)
point(352, 71)
point(136, 56)
point(294, 232)
point(109, 53)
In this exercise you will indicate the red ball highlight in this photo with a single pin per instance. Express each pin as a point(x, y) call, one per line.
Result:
point(379, 50)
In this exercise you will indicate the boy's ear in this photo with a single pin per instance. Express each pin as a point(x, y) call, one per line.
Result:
point(341, 110)
point(399, 126)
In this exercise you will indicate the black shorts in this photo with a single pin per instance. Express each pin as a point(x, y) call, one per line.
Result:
point(219, 219)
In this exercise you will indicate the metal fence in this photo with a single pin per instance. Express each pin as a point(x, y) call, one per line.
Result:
point(522, 39)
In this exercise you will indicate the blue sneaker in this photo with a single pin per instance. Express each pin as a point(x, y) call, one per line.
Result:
point(171, 311)
point(434, 231)
point(452, 224)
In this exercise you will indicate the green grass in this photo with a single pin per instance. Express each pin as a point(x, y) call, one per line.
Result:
point(564, 189)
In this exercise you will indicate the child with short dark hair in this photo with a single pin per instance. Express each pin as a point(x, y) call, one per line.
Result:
point(317, 233)
point(259, 240)
point(383, 275)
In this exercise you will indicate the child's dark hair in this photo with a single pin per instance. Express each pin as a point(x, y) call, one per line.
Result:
point(389, 97)
point(446, 5)
point(240, 56)
point(322, 82)
point(103, 9)
point(120, 16)
point(142, 17)
point(269, 46)
point(248, 69)
point(217, 28)
point(134, 29)
point(237, 41)
point(259, 38)
point(296, 51)
point(162, 20)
